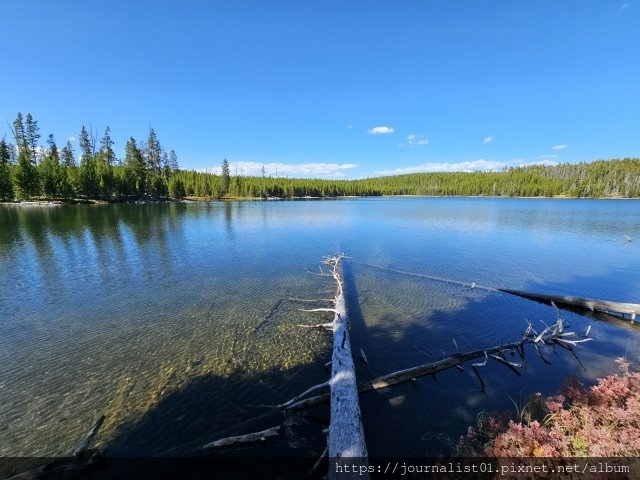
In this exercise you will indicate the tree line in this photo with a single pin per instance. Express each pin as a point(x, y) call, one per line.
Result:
point(603, 178)
point(29, 170)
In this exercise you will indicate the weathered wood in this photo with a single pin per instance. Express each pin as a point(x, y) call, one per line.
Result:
point(248, 438)
point(408, 374)
point(315, 388)
point(402, 376)
point(346, 435)
point(78, 465)
point(623, 308)
point(319, 461)
point(84, 445)
point(553, 334)
point(363, 356)
point(588, 303)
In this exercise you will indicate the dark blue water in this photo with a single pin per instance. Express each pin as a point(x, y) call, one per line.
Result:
point(178, 321)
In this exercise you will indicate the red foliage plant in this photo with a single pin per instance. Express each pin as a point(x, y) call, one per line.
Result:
point(601, 421)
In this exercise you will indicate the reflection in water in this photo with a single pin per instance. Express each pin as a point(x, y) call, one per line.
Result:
point(228, 218)
point(178, 318)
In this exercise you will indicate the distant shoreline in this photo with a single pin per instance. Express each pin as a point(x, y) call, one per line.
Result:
point(57, 203)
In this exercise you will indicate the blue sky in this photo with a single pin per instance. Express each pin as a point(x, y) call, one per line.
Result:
point(334, 89)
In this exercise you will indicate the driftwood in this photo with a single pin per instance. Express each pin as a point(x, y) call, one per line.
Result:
point(77, 465)
point(248, 438)
point(622, 308)
point(408, 374)
point(304, 394)
point(632, 309)
point(88, 439)
point(346, 435)
point(363, 356)
point(551, 335)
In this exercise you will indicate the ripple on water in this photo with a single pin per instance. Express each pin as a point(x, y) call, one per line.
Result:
point(178, 322)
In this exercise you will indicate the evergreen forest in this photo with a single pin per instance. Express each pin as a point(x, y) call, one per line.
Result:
point(30, 171)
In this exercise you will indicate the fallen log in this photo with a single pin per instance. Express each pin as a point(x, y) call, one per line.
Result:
point(632, 309)
point(88, 439)
point(304, 394)
point(248, 438)
point(346, 435)
point(408, 374)
point(552, 335)
point(622, 308)
point(81, 461)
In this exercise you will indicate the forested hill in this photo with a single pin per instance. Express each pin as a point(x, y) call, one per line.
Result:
point(30, 171)
point(606, 178)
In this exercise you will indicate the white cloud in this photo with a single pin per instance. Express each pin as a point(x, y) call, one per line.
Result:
point(488, 140)
point(548, 156)
point(550, 163)
point(71, 139)
point(332, 170)
point(414, 140)
point(380, 130)
point(480, 165)
point(474, 166)
point(559, 147)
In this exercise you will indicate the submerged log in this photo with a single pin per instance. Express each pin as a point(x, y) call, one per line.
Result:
point(88, 439)
point(408, 374)
point(248, 438)
point(632, 309)
point(620, 308)
point(78, 465)
point(346, 435)
point(552, 335)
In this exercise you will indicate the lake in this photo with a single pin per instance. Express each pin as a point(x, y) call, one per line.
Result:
point(179, 322)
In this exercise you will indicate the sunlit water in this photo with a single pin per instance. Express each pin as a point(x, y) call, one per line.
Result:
point(179, 322)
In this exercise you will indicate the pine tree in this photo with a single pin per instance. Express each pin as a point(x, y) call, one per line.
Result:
point(173, 160)
point(135, 169)
point(6, 185)
point(106, 147)
point(85, 144)
point(32, 136)
point(225, 178)
point(69, 182)
point(27, 181)
point(154, 152)
point(67, 155)
point(19, 133)
point(156, 183)
point(87, 176)
point(26, 175)
point(104, 164)
point(50, 171)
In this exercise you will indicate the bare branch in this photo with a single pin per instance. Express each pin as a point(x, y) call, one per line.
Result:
point(315, 388)
point(319, 310)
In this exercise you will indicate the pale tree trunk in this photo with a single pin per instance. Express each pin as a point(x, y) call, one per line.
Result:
point(347, 446)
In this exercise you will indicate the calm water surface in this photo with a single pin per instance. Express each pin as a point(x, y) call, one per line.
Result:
point(179, 321)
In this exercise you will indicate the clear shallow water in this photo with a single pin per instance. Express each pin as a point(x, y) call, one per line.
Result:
point(177, 321)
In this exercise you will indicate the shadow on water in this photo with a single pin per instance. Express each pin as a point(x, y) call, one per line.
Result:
point(206, 409)
point(171, 434)
point(429, 418)
point(404, 420)
point(422, 420)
